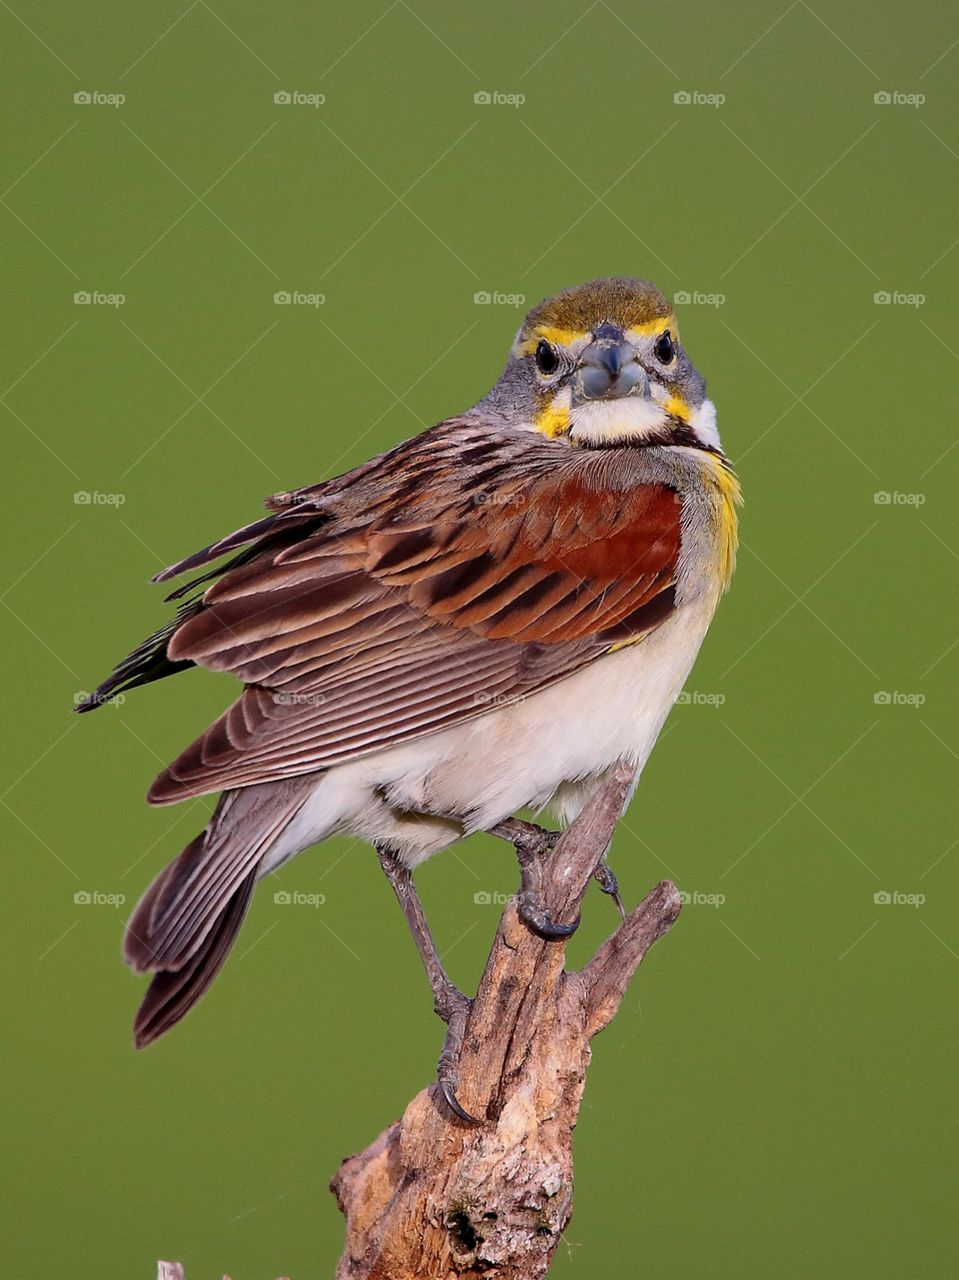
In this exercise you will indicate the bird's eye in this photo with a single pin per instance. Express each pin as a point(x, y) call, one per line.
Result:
point(547, 361)
point(663, 348)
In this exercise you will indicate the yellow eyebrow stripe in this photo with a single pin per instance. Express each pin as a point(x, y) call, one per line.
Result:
point(558, 337)
point(562, 337)
point(653, 326)
point(566, 337)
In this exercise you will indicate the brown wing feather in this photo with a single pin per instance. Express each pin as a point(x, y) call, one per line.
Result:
point(436, 585)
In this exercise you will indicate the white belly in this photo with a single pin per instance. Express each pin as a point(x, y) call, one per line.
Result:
point(546, 750)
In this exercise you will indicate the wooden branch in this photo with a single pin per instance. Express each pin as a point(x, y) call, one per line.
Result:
point(436, 1199)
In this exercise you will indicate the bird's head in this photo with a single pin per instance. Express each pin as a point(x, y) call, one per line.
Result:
point(602, 364)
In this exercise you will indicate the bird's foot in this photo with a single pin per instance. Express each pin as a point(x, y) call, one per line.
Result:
point(536, 918)
point(454, 1008)
point(533, 844)
point(605, 877)
point(530, 840)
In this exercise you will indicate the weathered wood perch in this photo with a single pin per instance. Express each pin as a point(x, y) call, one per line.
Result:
point(434, 1198)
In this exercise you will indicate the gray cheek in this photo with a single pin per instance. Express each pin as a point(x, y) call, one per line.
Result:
point(514, 398)
point(693, 384)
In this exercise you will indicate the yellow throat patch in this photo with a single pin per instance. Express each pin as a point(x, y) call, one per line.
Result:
point(553, 421)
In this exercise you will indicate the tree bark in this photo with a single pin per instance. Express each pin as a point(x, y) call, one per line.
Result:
point(435, 1198)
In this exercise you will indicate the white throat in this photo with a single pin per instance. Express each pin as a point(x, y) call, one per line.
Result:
point(703, 422)
point(609, 421)
point(633, 418)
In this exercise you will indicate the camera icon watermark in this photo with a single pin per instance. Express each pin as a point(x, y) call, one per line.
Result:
point(893, 498)
point(84, 699)
point(896, 898)
point(297, 698)
point(486, 498)
point(297, 898)
point(696, 98)
point(95, 898)
point(493, 98)
point(94, 98)
point(95, 298)
point(896, 98)
point(295, 98)
point(486, 698)
point(697, 298)
point(697, 698)
point(898, 298)
point(897, 698)
point(700, 898)
point(296, 298)
point(495, 298)
point(94, 498)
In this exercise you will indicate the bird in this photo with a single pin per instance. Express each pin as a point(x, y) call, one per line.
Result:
point(489, 617)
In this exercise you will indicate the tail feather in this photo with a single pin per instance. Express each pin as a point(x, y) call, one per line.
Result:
point(186, 922)
point(174, 992)
point(140, 944)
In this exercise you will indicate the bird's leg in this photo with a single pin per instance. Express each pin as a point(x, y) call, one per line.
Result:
point(605, 877)
point(448, 1001)
point(532, 845)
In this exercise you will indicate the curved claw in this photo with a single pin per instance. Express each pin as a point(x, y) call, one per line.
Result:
point(605, 877)
point(451, 1100)
point(539, 921)
point(453, 1007)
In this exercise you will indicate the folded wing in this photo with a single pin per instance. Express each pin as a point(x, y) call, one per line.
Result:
point(458, 572)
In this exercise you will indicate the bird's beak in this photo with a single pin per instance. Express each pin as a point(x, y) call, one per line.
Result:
point(609, 369)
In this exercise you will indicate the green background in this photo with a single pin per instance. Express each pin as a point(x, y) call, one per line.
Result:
point(777, 1096)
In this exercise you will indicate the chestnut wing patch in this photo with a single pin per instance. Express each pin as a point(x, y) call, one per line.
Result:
point(571, 565)
point(357, 639)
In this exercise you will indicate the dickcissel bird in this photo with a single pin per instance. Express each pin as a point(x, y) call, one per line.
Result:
point(490, 616)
